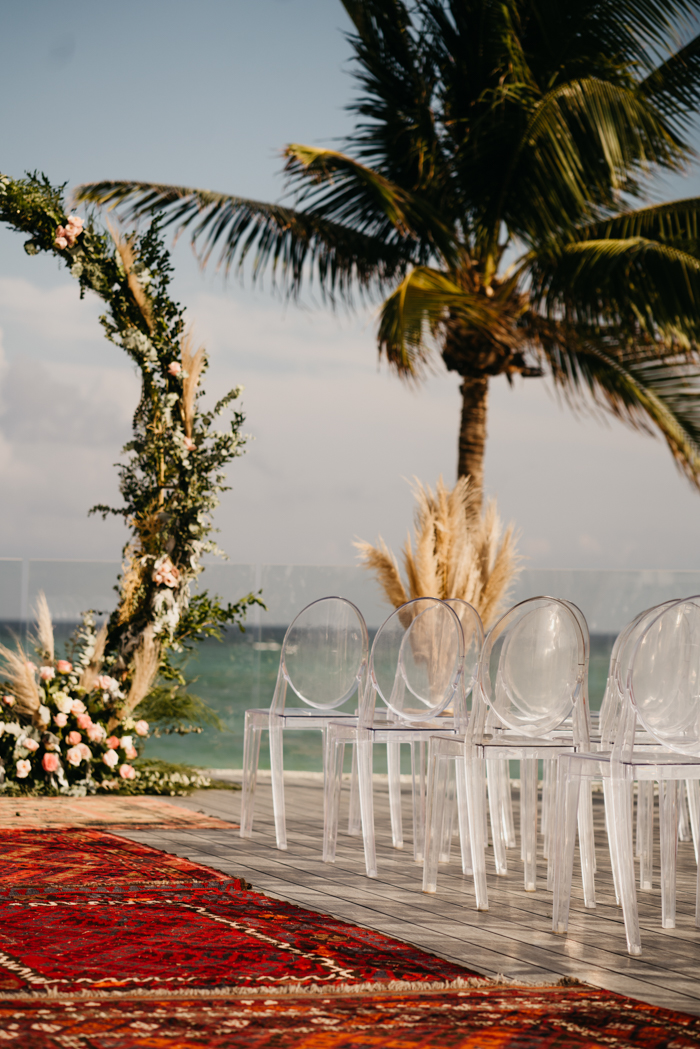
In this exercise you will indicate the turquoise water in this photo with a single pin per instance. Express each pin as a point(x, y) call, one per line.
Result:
point(241, 671)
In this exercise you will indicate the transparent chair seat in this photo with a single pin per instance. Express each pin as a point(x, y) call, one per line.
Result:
point(530, 682)
point(324, 662)
point(660, 697)
point(416, 668)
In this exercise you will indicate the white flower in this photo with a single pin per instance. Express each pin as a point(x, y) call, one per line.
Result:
point(110, 758)
point(63, 702)
point(23, 768)
point(44, 715)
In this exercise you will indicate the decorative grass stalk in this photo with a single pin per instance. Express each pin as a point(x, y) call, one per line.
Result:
point(458, 553)
point(19, 674)
point(44, 641)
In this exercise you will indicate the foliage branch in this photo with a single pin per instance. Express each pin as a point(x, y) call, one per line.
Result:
point(174, 467)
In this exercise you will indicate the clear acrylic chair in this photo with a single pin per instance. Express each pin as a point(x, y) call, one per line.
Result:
point(660, 697)
point(324, 662)
point(416, 667)
point(530, 683)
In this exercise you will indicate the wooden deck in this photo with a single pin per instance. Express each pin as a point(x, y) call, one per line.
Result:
point(513, 938)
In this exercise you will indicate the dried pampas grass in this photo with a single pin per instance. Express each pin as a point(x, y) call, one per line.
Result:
point(90, 674)
point(43, 641)
point(192, 364)
point(145, 666)
point(458, 553)
point(21, 680)
point(128, 257)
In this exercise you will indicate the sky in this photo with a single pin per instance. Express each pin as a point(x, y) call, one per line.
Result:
point(207, 94)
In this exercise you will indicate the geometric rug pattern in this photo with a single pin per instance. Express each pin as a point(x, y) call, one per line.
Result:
point(105, 944)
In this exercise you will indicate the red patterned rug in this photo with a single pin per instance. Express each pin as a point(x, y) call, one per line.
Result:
point(105, 944)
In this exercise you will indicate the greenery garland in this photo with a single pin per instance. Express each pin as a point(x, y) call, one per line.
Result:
point(170, 481)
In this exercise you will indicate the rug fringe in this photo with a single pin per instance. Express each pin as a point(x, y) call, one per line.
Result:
point(471, 983)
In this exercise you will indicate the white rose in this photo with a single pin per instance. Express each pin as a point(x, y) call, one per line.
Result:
point(127, 742)
point(63, 702)
point(44, 715)
point(74, 755)
point(110, 758)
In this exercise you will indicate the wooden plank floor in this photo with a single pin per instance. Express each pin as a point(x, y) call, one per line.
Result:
point(513, 938)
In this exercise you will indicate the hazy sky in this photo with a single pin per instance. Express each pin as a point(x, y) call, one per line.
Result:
point(207, 94)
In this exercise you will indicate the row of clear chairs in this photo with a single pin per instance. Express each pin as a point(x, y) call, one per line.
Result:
point(474, 705)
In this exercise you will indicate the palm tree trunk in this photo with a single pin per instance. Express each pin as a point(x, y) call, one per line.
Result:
point(472, 435)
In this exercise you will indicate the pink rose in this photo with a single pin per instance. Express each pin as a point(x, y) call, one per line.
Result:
point(131, 752)
point(63, 666)
point(127, 772)
point(113, 743)
point(74, 738)
point(50, 762)
point(84, 721)
point(165, 573)
point(96, 733)
point(60, 243)
point(30, 744)
point(75, 220)
point(77, 707)
point(141, 728)
point(61, 720)
point(23, 767)
point(110, 758)
point(47, 673)
point(85, 751)
point(174, 368)
point(9, 701)
point(189, 444)
point(107, 683)
point(73, 756)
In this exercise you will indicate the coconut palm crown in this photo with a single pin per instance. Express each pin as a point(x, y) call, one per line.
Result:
point(496, 196)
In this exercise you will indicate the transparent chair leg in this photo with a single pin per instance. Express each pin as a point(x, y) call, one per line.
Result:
point(354, 822)
point(494, 779)
point(418, 785)
point(463, 816)
point(528, 820)
point(668, 833)
point(364, 768)
point(448, 814)
point(393, 760)
point(645, 832)
point(565, 820)
point(476, 807)
point(437, 772)
point(586, 839)
point(684, 831)
point(549, 768)
point(621, 826)
point(251, 756)
point(507, 806)
point(277, 774)
point(334, 754)
point(607, 804)
point(692, 787)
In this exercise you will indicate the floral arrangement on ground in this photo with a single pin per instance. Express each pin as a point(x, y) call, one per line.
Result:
point(77, 724)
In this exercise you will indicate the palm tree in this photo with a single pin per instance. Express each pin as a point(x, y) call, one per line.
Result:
point(495, 195)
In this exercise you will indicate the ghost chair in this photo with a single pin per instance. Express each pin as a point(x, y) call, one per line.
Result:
point(415, 668)
point(529, 685)
point(660, 702)
point(324, 663)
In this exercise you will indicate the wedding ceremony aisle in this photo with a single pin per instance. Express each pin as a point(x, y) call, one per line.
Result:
point(176, 931)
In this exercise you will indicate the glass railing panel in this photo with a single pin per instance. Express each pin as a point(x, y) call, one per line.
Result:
point(11, 611)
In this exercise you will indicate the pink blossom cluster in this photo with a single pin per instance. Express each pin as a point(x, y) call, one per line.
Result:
point(165, 573)
point(67, 235)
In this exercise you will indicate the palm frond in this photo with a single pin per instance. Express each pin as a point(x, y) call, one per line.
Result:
point(282, 240)
point(650, 392)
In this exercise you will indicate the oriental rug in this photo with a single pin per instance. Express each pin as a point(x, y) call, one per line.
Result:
point(501, 1018)
point(106, 944)
point(102, 810)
